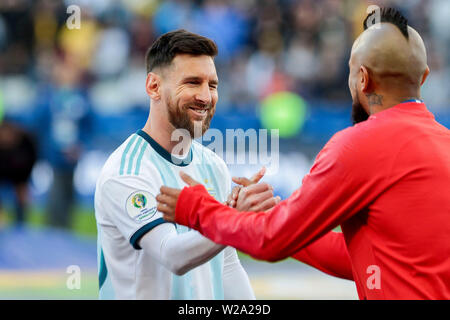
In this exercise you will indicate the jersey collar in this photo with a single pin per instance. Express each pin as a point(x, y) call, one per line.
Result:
point(181, 162)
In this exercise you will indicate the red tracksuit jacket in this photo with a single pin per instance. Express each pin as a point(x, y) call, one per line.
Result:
point(386, 181)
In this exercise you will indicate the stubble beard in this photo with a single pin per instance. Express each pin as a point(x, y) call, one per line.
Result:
point(179, 118)
point(358, 112)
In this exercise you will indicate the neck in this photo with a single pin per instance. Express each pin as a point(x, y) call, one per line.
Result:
point(379, 101)
point(161, 130)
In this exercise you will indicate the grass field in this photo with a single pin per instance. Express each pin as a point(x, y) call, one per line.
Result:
point(42, 285)
point(83, 221)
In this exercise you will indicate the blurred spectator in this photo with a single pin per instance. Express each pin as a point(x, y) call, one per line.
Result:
point(64, 119)
point(17, 158)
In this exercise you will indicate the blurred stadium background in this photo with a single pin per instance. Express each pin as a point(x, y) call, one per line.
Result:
point(80, 92)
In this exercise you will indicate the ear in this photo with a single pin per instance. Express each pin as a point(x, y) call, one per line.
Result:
point(425, 75)
point(153, 86)
point(364, 79)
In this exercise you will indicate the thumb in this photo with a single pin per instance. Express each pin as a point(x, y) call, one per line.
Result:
point(254, 179)
point(241, 181)
point(257, 176)
point(188, 179)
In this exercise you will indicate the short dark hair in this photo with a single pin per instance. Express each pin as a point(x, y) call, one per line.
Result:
point(389, 15)
point(167, 46)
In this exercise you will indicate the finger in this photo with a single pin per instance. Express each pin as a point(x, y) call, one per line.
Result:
point(259, 198)
point(258, 176)
point(232, 195)
point(164, 209)
point(166, 200)
point(169, 217)
point(256, 188)
point(188, 179)
point(169, 191)
point(241, 181)
point(253, 202)
point(267, 204)
point(235, 192)
point(254, 179)
point(277, 201)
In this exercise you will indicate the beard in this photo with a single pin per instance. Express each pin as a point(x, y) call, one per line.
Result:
point(358, 112)
point(180, 118)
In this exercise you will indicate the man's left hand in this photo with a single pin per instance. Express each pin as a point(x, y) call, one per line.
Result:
point(168, 197)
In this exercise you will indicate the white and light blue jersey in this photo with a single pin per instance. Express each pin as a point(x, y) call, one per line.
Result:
point(125, 209)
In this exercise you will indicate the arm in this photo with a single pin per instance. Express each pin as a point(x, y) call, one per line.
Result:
point(236, 283)
point(178, 252)
point(340, 184)
point(328, 254)
point(145, 229)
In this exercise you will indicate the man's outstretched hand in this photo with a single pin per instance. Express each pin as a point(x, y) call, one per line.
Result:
point(168, 197)
point(250, 195)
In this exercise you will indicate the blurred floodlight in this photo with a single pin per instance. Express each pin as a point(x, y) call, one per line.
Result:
point(284, 111)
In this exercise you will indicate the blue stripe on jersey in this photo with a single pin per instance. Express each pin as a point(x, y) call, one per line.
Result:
point(139, 159)
point(217, 275)
point(106, 290)
point(133, 154)
point(103, 272)
point(124, 154)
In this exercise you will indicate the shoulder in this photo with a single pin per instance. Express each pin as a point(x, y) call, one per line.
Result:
point(359, 148)
point(360, 136)
point(124, 169)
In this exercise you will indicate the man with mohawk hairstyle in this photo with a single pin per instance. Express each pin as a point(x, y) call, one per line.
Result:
point(385, 181)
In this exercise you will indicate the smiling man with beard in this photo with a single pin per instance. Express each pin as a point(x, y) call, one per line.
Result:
point(385, 181)
point(141, 256)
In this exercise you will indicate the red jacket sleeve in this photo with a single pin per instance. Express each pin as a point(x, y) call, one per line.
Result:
point(337, 187)
point(328, 254)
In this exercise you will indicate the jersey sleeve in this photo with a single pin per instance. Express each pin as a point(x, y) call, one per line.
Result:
point(329, 254)
point(130, 204)
point(236, 282)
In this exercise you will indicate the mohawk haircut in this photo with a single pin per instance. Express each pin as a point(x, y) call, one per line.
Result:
point(389, 15)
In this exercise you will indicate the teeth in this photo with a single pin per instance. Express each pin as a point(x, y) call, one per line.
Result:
point(201, 111)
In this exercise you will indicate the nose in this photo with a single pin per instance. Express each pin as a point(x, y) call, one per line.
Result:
point(203, 95)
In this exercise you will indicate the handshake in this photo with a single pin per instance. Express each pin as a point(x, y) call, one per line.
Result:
point(248, 195)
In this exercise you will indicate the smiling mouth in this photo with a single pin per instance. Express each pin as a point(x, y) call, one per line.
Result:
point(200, 111)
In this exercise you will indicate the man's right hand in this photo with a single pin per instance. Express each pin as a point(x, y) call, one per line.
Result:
point(250, 195)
